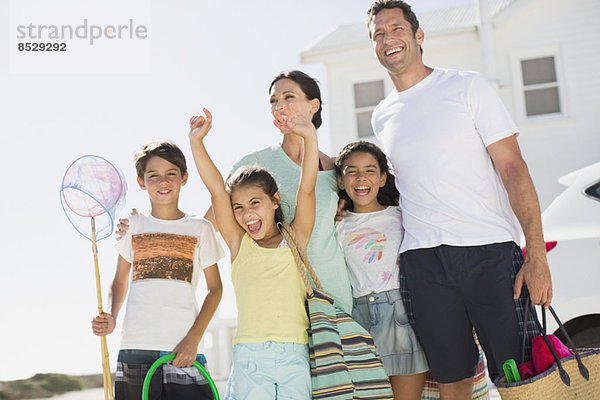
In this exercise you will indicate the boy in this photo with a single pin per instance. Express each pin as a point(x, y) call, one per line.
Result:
point(167, 249)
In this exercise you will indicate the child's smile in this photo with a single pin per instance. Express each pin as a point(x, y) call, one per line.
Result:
point(254, 226)
point(361, 179)
point(362, 190)
point(163, 181)
point(254, 210)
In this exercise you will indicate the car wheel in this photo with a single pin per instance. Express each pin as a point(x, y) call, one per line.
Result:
point(585, 331)
point(587, 338)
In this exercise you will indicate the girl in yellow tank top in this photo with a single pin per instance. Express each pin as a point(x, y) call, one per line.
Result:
point(270, 355)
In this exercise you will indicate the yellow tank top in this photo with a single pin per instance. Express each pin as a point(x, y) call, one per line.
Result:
point(270, 295)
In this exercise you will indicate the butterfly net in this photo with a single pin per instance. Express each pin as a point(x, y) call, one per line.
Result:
point(92, 188)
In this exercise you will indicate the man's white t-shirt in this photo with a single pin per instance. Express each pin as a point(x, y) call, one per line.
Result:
point(435, 134)
point(167, 258)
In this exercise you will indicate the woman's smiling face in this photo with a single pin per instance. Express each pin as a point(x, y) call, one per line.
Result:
point(285, 92)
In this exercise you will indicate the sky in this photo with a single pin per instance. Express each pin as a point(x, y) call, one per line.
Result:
point(109, 98)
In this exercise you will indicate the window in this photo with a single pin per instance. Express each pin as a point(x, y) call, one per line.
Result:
point(594, 191)
point(366, 96)
point(540, 85)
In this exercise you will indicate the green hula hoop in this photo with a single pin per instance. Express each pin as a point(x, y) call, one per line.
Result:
point(171, 357)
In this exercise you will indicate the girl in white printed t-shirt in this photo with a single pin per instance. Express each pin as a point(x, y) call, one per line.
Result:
point(370, 235)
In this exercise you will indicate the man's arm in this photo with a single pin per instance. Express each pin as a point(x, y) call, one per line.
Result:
point(507, 158)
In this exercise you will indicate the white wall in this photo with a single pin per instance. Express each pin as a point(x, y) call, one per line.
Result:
point(554, 146)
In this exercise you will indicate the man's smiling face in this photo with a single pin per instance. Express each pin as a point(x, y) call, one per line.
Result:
point(397, 47)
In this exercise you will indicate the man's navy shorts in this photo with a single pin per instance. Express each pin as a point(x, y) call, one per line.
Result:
point(448, 291)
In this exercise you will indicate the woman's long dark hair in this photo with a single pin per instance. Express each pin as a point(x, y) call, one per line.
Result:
point(388, 194)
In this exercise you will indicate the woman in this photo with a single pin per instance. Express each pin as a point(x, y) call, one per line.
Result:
point(283, 161)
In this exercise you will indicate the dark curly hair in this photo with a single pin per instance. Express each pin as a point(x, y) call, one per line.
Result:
point(388, 194)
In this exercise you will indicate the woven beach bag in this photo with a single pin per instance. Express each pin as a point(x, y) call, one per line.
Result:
point(572, 377)
point(344, 362)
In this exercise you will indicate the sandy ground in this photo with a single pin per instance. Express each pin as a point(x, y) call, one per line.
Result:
point(98, 394)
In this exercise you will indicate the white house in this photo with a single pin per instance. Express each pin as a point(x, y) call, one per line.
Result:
point(542, 55)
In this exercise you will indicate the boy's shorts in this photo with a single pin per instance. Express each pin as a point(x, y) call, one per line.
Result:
point(269, 371)
point(168, 381)
point(383, 315)
point(449, 290)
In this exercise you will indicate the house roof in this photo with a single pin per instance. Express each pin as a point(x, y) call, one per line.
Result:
point(435, 22)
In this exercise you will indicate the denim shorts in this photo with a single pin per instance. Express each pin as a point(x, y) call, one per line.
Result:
point(383, 315)
point(269, 370)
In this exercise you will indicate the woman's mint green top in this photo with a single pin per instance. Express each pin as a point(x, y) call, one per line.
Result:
point(324, 251)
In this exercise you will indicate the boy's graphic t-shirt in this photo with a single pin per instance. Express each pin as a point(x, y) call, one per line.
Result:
point(370, 242)
point(167, 258)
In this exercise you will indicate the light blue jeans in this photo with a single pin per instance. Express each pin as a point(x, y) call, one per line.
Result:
point(269, 370)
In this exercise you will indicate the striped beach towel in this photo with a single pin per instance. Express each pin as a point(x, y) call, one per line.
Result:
point(343, 359)
point(344, 362)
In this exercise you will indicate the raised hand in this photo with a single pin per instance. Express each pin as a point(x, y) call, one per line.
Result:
point(199, 125)
point(290, 121)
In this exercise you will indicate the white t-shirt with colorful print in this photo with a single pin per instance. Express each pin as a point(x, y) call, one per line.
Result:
point(370, 242)
point(167, 258)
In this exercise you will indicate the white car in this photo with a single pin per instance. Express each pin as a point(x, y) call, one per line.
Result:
point(571, 227)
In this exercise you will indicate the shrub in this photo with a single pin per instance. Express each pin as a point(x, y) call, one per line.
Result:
point(59, 383)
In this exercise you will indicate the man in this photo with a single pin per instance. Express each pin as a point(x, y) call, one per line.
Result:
point(466, 193)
